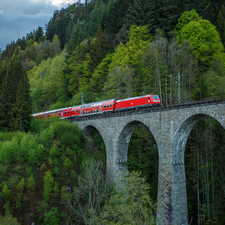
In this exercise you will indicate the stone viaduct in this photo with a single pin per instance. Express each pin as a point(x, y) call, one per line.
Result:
point(170, 128)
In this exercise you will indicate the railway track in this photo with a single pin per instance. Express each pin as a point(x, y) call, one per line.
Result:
point(148, 110)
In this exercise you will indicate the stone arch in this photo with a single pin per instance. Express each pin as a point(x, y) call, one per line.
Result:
point(124, 140)
point(87, 130)
point(178, 178)
point(182, 133)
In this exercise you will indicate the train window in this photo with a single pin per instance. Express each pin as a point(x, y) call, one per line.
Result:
point(110, 106)
point(97, 110)
point(65, 113)
point(155, 96)
point(107, 106)
point(104, 106)
point(68, 112)
point(148, 97)
point(91, 111)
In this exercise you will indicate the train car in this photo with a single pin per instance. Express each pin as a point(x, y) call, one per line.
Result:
point(102, 107)
point(97, 107)
point(137, 102)
point(47, 114)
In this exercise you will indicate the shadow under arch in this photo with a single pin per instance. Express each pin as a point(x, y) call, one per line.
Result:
point(178, 182)
point(124, 140)
point(181, 136)
point(96, 140)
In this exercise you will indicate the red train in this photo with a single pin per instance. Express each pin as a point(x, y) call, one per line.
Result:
point(102, 107)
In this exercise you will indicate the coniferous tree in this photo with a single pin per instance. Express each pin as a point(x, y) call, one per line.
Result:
point(79, 33)
point(165, 14)
point(21, 109)
point(4, 106)
point(39, 34)
point(9, 95)
point(99, 48)
point(115, 15)
point(140, 13)
point(221, 24)
point(96, 17)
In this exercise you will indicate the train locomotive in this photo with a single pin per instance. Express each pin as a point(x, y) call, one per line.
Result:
point(102, 107)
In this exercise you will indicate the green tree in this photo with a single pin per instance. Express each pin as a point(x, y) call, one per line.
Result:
point(20, 188)
point(31, 184)
point(21, 109)
point(89, 198)
point(165, 15)
point(130, 202)
point(15, 74)
point(52, 217)
point(96, 17)
point(99, 47)
point(115, 15)
point(8, 220)
point(204, 40)
point(127, 61)
point(99, 76)
point(48, 185)
point(221, 24)
point(185, 18)
point(140, 13)
point(39, 34)
point(6, 192)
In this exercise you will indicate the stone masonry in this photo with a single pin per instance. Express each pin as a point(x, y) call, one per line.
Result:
point(170, 129)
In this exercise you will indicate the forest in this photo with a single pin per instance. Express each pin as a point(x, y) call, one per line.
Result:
point(98, 50)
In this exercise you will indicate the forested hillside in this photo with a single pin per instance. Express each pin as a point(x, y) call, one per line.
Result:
point(104, 49)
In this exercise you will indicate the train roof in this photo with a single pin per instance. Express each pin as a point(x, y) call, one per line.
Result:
point(126, 99)
point(94, 103)
point(51, 111)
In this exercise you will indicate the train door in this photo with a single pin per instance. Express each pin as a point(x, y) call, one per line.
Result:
point(80, 112)
point(100, 109)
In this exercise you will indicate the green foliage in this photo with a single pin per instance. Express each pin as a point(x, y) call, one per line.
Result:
point(48, 185)
point(7, 136)
point(140, 13)
point(115, 16)
point(143, 157)
point(96, 17)
point(221, 24)
point(52, 217)
point(5, 192)
point(8, 220)
point(73, 174)
point(67, 164)
point(204, 40)
point(19, 189)
point(185, 18)
point(46, 81)
point(31, 184)
point(126, 63)
point(15, 102)
point(9, 151)
point(130, 202)
point(64, 193)
point(72, 8)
